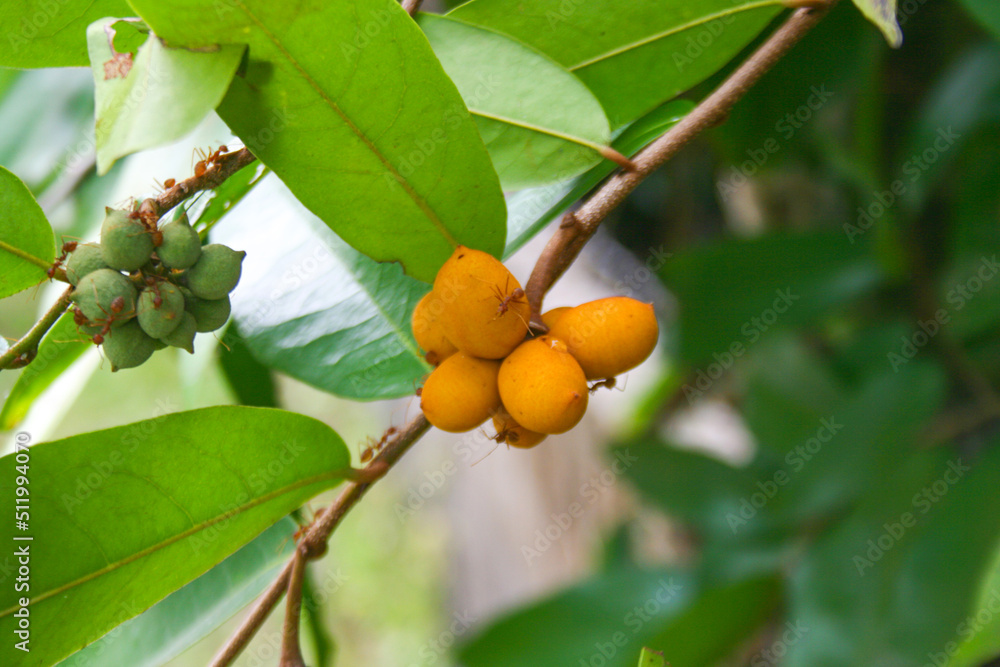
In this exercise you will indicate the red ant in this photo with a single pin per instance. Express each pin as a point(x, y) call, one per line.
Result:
point(169, 183)
point(117, 306)
point(369, 452)
point(205, 164)
point(609, 383)
point(148, 219)
point(515, 297)
point(67, 248)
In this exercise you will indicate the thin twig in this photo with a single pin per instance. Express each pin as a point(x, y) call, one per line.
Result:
point(412, 6)
point(221, 168)
point(23, 351)
point(317, 536)
point(291, 653)
point(578, 227)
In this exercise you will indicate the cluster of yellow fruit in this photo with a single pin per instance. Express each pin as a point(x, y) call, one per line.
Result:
point(474, 327)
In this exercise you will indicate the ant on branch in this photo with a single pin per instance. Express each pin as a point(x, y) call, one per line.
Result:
point(208, 159)
point(67, 248)
point(373, 447)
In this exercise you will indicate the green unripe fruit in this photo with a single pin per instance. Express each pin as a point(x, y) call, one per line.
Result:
point(210, 314)
point(181, 246)
point(126, 244)
point(87, 258)
point(128, 346)
point(183, 335)
point(160, 309)
point(97, 296)
point(216, 272)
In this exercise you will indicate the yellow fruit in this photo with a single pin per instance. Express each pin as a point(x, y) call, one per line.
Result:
point(514, 434)
point(549, 318)
point(427, 331)
point(461, 393)
point(543, 387)
point(483, 310)
point(608, 336)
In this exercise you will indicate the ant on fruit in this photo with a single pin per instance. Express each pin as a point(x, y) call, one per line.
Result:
point(515, 296)
point(117, 306)
point(67, 248)
point(374, 447)
point(148, 219)
point(610, 383)
point(208, 159)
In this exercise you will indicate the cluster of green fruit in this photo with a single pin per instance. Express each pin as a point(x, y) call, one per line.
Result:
point(474, 327)
point(143, 288)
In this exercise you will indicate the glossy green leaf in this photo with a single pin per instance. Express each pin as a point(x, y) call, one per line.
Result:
point(718, 622)
point(986, 12)
point(734, 293)
point(311, 306)
point(883, 14)
point(182, 618)
point(608, 619)
point(632, 55)
point(156, 97)
point(346, 102)
point(60, 347)
point(43, 33)
point(529, 211)
point(119, 518)
point(539, 122)
point(249, 379)
point(26, 239)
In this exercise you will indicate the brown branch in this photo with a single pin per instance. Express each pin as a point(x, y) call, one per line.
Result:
point(291, 653)
point(412, 6)
point(215, 175)
point(23, 351)
point(315, 539)
point(577, 227)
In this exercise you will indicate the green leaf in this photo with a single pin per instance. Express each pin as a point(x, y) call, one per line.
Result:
point(718, 622)
point(156, 97)
point(60, 347)
point(249, 379)
point(606, 618)
point(980, 636)
point(311, 306)
point(346, 102)
point(883, 14)
point(42, 33)
point(986, 12)
point(539, 122)
point(650, 658)
point(27, 243)
point(182, 618)
point(211, 205)
point(734, 293)
point(632, 55)
point(529, 211)
point(121, 517)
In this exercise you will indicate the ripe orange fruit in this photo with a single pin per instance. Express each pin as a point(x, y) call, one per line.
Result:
point(550, 317)
point(514, 434)
point(608, 336)
point(483, 311)
point(461, 393)
point(543, 387)
point(427, 330)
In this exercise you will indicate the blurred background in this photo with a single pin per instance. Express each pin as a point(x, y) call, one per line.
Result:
point(807, 471)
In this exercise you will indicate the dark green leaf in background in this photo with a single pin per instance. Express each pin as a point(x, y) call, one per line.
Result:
point(24, 233)
point(122, 517)
point(311, 306)
point(539, 122)
point(45, 33)
point(987, 12)
point(249, 379)
point(346, 102)
point(632, 55)
point(156, 97)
